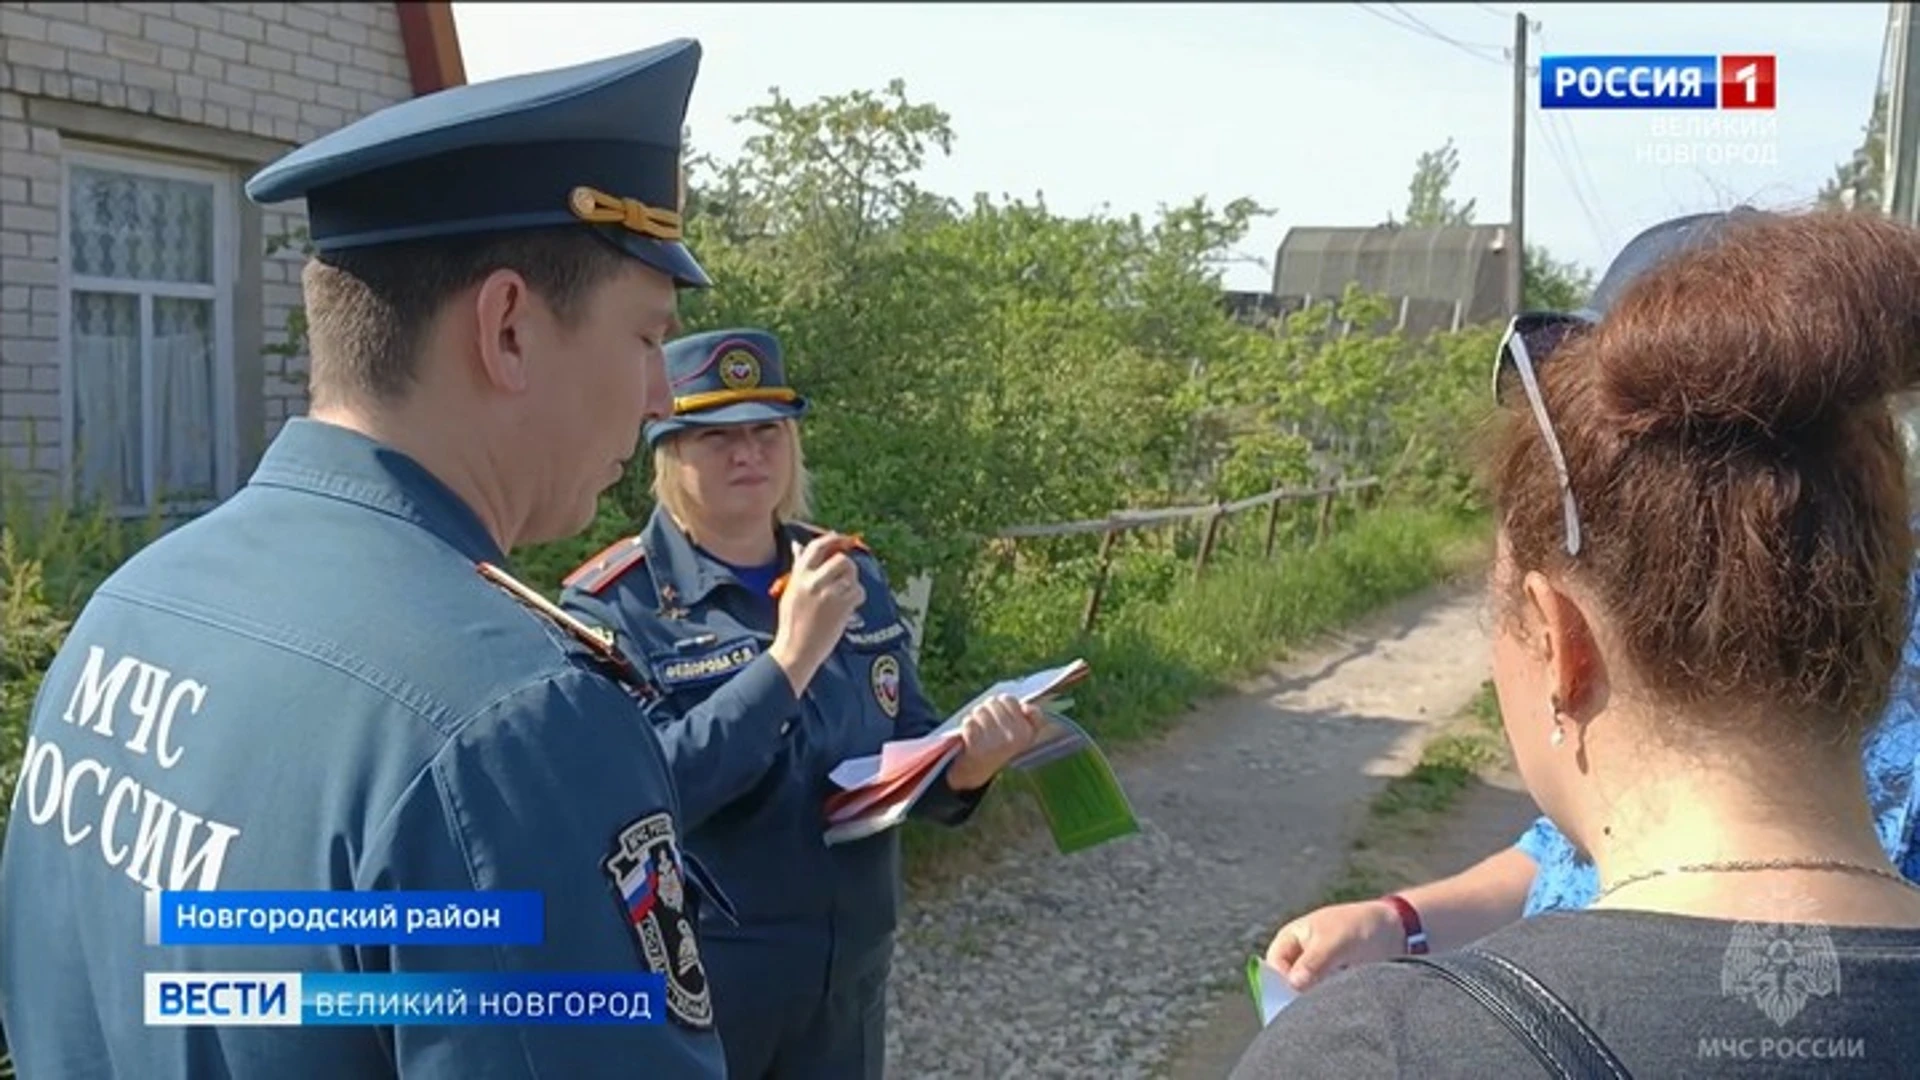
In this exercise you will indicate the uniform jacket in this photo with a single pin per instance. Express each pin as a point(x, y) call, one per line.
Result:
point(752, 770)
point(311, 687)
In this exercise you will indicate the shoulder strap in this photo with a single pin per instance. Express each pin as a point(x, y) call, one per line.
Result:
point(604, 569)
point(597, 639)
point(1565, 1045)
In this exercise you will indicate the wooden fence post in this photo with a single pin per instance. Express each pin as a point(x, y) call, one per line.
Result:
point(1175, 520)
point(1206, 544)
point(1099, 581)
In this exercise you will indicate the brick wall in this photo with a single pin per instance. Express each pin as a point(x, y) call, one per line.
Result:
point(278, 74)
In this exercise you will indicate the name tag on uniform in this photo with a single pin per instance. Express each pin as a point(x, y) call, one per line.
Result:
point(881, 638)
point(714, 663)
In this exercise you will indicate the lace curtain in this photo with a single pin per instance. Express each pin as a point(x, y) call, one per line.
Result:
point(142, 335)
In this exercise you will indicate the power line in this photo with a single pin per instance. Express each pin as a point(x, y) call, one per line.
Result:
point(1491, 10)
point(1430, 32)
point(1565, 146)
point(1428, 27)
point(1573, 184)
point(1449, 39)
point(1572, 143)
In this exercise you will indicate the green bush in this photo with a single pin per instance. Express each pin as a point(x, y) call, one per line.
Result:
point(52, 557)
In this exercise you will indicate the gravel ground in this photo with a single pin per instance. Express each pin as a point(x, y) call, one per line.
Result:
point(1099, 964)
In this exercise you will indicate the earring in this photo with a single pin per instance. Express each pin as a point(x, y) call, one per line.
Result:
point(1559, 733)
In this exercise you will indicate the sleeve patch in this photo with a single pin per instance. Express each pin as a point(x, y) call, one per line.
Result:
point(886, 637)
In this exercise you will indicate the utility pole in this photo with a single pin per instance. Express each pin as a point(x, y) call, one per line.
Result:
point(1903, 121)
point(1517, 264)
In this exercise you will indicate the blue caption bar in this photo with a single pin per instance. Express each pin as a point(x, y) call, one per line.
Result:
point(347, 918)
point(1629, 82)
point(335, 999)
point(483, 998)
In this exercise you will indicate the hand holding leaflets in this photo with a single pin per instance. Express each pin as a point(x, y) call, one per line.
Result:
point(998, 730)
point(1076, 788)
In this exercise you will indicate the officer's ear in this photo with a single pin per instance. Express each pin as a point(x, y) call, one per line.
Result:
point(501, 307)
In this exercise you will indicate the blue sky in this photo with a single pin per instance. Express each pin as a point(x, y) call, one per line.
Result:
point(1315, 111)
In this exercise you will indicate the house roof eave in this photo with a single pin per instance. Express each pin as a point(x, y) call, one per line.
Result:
point(432, 45)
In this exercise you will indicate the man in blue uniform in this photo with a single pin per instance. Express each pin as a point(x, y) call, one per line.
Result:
point(725, 594)
point(324, 684)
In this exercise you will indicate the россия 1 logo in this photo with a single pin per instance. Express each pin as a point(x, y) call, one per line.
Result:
point(1657, 82)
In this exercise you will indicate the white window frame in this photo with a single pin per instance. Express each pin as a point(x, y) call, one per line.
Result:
point(226, 229)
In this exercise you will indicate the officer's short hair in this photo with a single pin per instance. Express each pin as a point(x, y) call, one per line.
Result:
point(368, 309)
point(795, 505)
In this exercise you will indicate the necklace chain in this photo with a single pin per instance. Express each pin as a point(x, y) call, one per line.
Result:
point(1749, 865)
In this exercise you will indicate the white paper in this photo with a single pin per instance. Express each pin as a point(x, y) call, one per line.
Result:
point(873, 820)
point(859, 772)
point(1275, 993)
point(855, 772)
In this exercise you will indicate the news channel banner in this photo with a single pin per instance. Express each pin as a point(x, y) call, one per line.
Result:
point(307, 998)
point(1744, 81)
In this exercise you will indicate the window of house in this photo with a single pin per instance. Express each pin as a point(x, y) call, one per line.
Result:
point(147, 286)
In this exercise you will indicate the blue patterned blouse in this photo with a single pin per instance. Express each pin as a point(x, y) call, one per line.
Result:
point(1566, 880)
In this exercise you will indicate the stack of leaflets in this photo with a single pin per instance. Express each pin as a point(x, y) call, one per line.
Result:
point(1075, 786)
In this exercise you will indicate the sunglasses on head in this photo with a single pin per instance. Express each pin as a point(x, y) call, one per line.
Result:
point(1531, 340)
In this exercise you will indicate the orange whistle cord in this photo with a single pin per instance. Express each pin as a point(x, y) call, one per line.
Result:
point(842, 545)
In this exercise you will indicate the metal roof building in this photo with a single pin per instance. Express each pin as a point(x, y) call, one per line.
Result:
point(1437, 278)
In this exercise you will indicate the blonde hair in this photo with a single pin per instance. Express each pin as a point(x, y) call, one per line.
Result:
point(795, 501)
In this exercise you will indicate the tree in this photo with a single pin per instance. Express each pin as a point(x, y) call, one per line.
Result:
point(1546, 284)
point(1427, 201)
point(1859, 183)
point(980, 364)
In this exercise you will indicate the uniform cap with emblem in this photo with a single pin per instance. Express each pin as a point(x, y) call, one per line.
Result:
point(725, 377)
point(596, 145)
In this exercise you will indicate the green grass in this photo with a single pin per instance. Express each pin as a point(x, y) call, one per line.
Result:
point(1154, 659)
point(1164, 640)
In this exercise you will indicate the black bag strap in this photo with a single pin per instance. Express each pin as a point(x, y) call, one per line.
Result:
point(1565, 1045)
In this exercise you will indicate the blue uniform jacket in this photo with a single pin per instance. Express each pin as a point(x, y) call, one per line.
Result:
point(311, 687)
point(751, 762)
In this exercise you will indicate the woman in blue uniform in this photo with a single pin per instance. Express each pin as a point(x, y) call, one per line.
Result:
point(799, 974)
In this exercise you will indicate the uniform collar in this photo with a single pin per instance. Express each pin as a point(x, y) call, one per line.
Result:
point(683, 575)
point(327, 459)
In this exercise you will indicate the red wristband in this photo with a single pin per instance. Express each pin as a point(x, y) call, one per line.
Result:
point(1410, 921)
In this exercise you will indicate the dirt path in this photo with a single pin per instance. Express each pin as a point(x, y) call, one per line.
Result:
point(1487, 818)
point(1104, 963)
